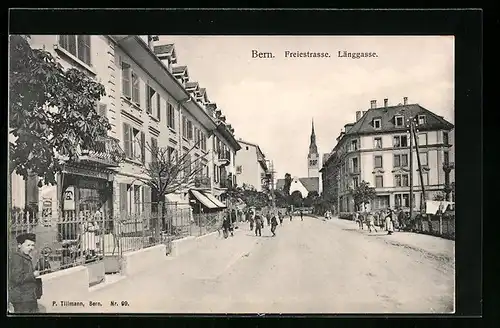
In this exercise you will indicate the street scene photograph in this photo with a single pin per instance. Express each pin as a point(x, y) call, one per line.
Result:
point(231, 174)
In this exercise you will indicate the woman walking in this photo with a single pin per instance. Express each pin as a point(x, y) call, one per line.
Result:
point(388, 223)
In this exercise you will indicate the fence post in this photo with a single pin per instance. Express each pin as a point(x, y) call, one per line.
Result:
point(440, 224)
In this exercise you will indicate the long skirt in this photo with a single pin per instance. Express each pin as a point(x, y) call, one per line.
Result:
point(389, 226)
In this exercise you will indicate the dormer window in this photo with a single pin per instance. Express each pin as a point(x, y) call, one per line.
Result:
point(377, 123)
point(399, 121)
point(421, 119)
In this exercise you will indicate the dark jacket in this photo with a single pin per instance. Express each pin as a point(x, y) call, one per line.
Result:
point(274, 222)
point(22, 281)
point(258, 221)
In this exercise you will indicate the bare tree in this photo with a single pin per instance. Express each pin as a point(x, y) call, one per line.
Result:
point(168, 172)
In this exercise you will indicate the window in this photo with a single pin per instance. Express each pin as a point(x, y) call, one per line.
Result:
point(378, 162)
point(422, 139)
point(355, 182)
point(153, 102)
point(184, 127)
point(401, 180)
point(77, 45)
point(425, 177)
point(377, 123)
point(134, 143)
point(400, 141)
point(170, 116)
point(190, 130)
point(354, 166)
point(354, 145)
point(401, 160)
point(239, 169)
point(188, 164)
point(378, 143)
point(421, 119)
point(126, 85)
point(135, 89)
point(203, 143)
point(171, 153)
point(379, 181)
point(402, 200)
point(399, 121)
point(406, 200)
point(423, 159)
point(246, 147)
point(154, 150)
point(196, 137)
point(313, 162)
point(446, 138)
point(446, 158)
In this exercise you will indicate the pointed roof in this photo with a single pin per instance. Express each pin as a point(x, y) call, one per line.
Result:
point(313, 149)
point(311, 184)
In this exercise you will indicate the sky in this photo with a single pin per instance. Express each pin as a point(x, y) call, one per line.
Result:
point(272, 101)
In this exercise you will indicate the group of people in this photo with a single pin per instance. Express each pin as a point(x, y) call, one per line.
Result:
point(256, 219)
point(389, 220)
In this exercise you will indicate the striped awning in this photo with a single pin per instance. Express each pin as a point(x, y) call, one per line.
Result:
point(202, 199)
point(215, 200)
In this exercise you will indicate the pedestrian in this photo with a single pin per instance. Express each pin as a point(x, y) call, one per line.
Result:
point(259, 222)
point(301, 215)
point(359, 219)
point(233, 222)
point(401, 220)
point(268, 218)
point(291, 215)
point(371, 222)
point(274, 224)
point(88, 236)
point(24, 285)
point(388, 223)
point(280, 216)
point(226, 226)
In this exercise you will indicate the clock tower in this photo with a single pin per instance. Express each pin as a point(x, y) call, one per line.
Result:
point(313, 157)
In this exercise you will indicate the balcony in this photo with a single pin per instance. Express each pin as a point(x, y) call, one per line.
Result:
point(106, 153)
point(202, 182)
point(223, 159)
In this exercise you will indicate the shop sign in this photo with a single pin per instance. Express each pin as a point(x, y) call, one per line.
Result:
point(69, 198)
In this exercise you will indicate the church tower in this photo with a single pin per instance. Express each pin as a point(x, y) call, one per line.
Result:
point(313, 157)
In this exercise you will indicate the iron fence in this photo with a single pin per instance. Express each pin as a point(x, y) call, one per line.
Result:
point(67, 240)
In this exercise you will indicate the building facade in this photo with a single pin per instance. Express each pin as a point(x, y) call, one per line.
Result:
point(376, 149)
point(251, 167)
point(150, 104)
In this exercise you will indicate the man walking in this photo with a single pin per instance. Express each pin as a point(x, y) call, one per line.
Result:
point(274, 224)
point(301, 215)
point(280, 216)
point(371, 222)
point(23, 283)
point(259, 222)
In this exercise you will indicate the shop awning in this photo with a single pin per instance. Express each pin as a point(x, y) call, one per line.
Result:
point(174, 198)
point(202, 199)
point(215, 200)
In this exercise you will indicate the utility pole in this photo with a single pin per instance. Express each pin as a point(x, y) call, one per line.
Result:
point(411, 166)
point(423, 198)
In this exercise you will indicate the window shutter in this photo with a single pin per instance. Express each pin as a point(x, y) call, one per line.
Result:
point(158, 106)
point(126, 86)
point(123, 198)
point(126, 140)
point(148, 93)
point(143, 148)
point(135, 89)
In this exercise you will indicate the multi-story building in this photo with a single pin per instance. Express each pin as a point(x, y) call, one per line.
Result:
point(251, 167)
point(376, 149)
point(150, 104)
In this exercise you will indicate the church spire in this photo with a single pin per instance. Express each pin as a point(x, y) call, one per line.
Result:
point(313, 149)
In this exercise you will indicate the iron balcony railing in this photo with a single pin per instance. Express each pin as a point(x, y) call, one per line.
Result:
point(106, 151)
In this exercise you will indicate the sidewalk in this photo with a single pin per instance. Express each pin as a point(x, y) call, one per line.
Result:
point(439, 247)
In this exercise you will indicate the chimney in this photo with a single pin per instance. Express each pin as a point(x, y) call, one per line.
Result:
point(386, 101)
point(358, 115)
point(405, 101)
point(373, 104)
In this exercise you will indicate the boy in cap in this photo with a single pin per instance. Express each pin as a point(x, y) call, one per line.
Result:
point(22, 276)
